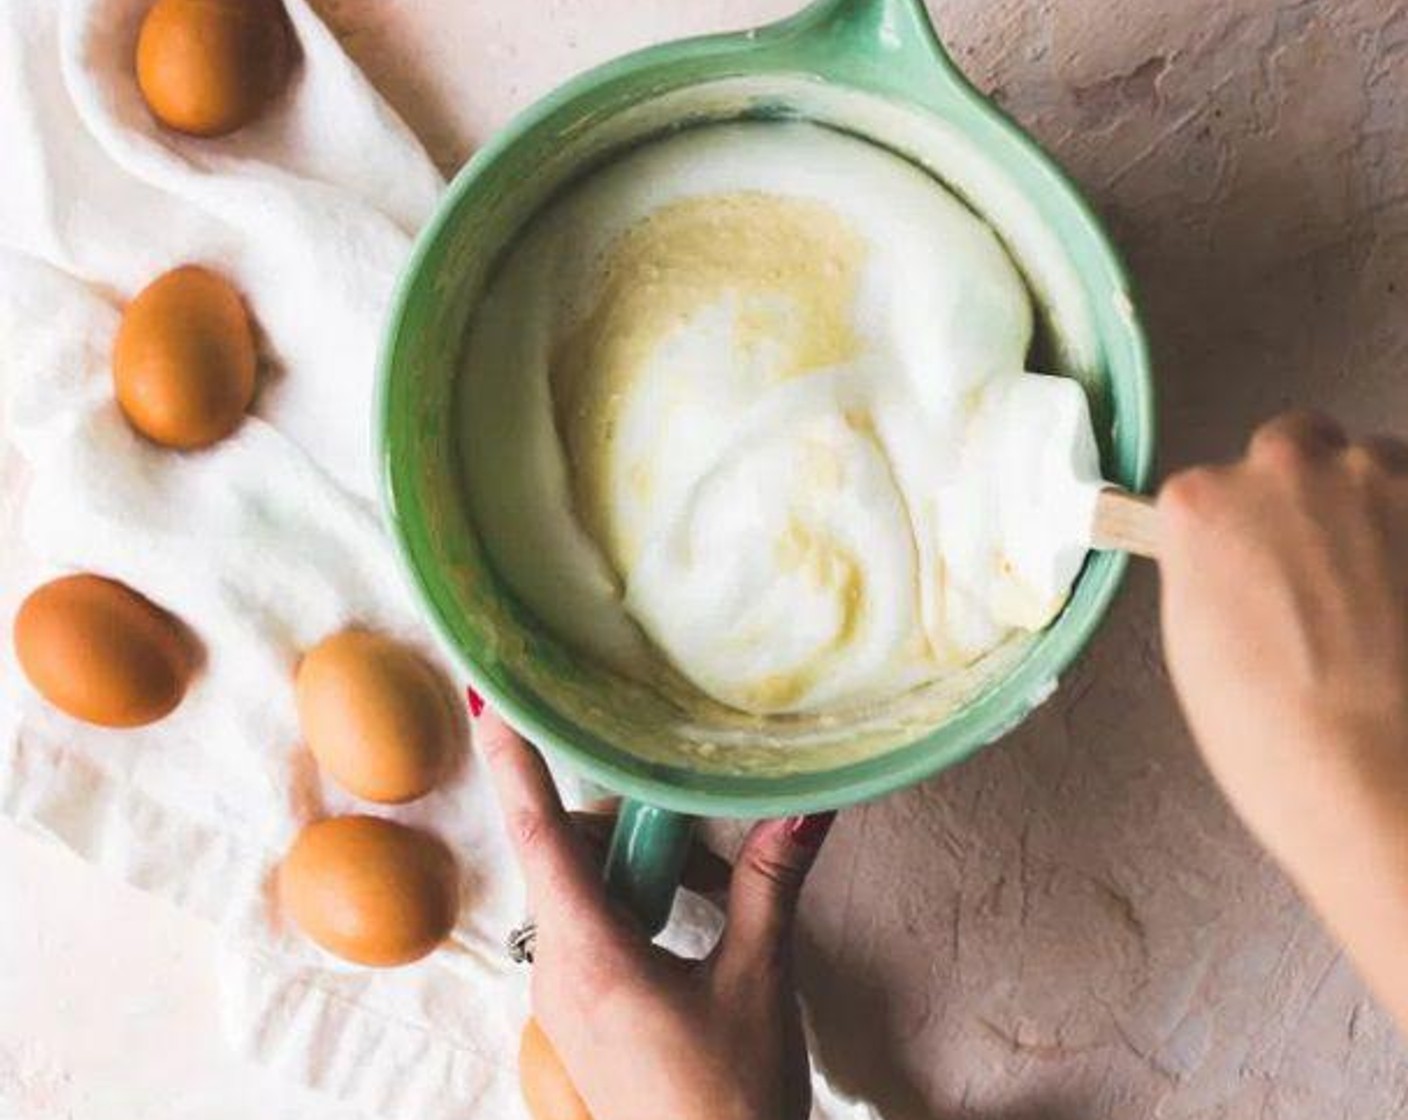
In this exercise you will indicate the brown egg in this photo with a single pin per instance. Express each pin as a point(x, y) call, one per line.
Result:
point(208, 67)
point(369, 890)
point(102, 653)
point(375, 715)
point(547, 1090)
point(183, 364)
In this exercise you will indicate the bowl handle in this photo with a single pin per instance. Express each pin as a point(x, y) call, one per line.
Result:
point(873, 30)
point(645, 860)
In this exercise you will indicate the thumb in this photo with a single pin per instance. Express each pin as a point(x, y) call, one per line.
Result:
point(762, 899)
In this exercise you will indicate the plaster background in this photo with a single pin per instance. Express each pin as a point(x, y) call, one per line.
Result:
point(1071, 926)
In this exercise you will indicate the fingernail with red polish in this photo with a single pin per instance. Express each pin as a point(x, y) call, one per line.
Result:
point(809, 832)
point(476, 702)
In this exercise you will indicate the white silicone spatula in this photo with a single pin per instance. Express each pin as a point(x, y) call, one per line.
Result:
point(1044, 469)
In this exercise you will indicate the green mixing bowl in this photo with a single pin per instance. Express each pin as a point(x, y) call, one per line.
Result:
point(872, 68)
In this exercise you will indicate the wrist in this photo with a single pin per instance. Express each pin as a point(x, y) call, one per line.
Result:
point(1348, 818)
point(1316, 789)
point(1353, 870)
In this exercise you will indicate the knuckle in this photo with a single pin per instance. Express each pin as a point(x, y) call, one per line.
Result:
point(1189, 494)
point(773, 871)
point(1281, 450)
point(1362, 462)
point(1291, 441)
point(529, 828)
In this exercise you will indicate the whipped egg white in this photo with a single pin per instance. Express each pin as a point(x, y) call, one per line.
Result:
point(752, 399)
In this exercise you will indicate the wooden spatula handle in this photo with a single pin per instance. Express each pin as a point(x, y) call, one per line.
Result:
point(1125, 522)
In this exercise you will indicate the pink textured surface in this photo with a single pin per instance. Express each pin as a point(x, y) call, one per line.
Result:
point(1072, 925)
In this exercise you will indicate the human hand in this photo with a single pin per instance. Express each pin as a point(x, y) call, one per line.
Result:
point(1285, 614)
point(1285, 611)
point(642, 1033)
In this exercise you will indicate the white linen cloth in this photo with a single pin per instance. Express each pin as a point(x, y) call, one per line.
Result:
point(263, 544)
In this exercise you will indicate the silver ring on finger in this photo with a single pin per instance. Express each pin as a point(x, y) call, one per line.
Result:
point(522, 941)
